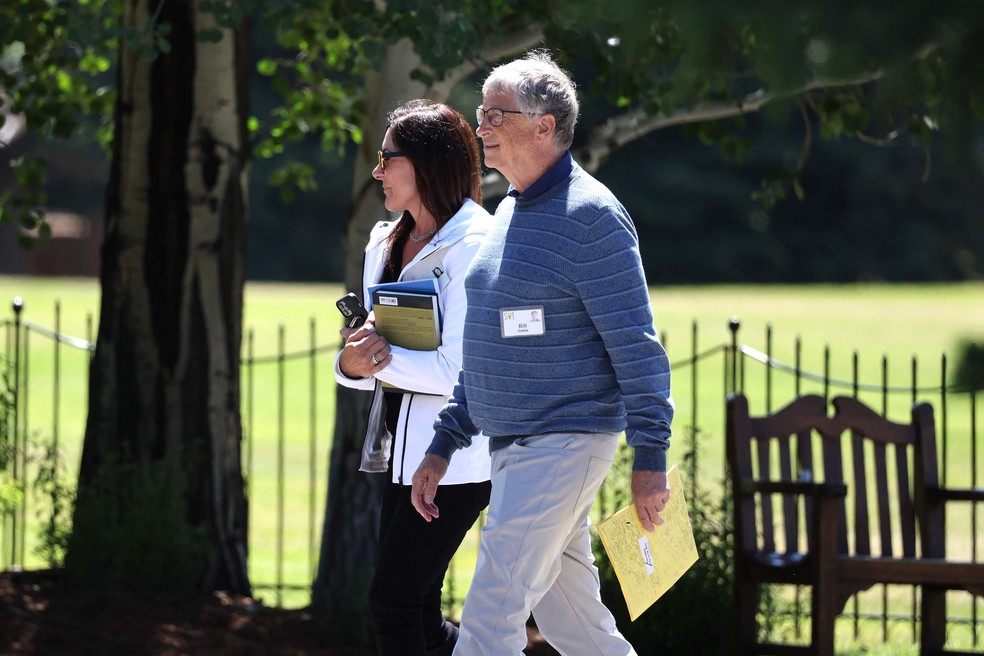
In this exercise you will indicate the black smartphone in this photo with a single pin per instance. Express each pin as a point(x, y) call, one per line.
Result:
point(353, 310)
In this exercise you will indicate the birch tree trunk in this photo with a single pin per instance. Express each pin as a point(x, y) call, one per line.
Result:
point(164, 431)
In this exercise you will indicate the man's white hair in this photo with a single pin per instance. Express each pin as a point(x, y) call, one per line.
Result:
point(541, 87)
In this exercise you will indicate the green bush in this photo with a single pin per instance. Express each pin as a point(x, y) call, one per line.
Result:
point(55, 516)
point(968, 372)
point(10, 490)
point(132, 530)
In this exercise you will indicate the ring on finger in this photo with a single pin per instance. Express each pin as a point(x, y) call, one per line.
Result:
point(375, 360)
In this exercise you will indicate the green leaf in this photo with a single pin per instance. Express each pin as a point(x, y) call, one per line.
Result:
point(712, 132)
point(798, 190)
point(94, 64)
point(64, 81)
point(44, 229)
point(26, 241)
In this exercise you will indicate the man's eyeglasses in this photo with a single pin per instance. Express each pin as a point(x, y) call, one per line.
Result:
point(495, 115)
point(385, 155)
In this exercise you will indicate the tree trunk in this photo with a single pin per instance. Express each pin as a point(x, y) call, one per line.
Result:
point(160, 476)
point(350, 537)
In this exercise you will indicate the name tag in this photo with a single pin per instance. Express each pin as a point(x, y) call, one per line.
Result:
point(522, 321)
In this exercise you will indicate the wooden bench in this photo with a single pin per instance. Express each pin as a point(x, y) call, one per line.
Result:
point(804, 514)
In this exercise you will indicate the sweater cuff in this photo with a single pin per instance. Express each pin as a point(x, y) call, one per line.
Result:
point(649, 458)
point(442, 445)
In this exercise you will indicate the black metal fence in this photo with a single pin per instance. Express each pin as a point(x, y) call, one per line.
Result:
point(286, 427)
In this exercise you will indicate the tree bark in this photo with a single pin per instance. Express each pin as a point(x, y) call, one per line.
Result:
point(164, 386)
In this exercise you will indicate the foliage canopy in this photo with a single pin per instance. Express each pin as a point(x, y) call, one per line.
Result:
point(877, 70)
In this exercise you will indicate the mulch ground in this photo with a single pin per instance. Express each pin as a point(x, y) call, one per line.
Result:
point(41, 614)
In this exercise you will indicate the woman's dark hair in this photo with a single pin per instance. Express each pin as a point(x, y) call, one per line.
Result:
point(444, 152)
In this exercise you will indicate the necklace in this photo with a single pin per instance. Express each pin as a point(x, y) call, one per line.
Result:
point(424, 237)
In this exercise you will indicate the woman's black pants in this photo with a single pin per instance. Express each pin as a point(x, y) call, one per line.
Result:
point(405, 595)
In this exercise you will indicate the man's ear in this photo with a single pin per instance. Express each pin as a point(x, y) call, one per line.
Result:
point(546, 126)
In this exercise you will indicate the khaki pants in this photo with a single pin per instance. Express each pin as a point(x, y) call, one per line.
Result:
point(535, 554)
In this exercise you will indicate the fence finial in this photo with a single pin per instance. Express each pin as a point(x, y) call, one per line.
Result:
point(733, 325)
point(18, 304)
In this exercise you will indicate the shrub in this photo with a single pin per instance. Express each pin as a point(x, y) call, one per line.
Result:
point(10, 490)
point(968, 372)
point(132, 530)
point(54, 516)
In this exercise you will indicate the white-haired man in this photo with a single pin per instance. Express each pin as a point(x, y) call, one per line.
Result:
point(553, 394)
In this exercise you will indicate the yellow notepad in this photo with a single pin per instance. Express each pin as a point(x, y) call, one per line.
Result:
point(408, 315)
point(648, 564)
point(407, 319)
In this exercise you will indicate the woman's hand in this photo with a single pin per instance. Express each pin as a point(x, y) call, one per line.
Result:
point(365, 352)
point(368, 325)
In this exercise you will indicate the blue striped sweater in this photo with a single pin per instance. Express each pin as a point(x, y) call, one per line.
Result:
point(598, 367)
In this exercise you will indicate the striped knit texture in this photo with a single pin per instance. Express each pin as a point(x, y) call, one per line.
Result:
point(599, 367)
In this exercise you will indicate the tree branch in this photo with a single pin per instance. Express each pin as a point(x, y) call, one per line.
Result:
point(512, 43)
point(609, 136)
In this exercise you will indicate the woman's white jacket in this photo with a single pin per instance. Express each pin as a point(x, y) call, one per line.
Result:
point(430, 374)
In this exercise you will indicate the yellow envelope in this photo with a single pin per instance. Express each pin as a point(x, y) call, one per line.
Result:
point(648, 564)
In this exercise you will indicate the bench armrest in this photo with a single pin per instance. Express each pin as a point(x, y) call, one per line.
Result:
point(834, 490)
point(952, 494)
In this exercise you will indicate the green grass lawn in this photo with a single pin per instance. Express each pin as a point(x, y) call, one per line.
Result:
point(289, 429)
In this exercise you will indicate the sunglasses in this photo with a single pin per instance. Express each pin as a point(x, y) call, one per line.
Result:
point(385, 155)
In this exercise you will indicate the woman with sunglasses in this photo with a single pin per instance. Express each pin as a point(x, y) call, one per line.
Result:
point(430, 172)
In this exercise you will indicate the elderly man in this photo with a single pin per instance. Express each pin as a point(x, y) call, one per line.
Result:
point(560, 357)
